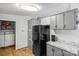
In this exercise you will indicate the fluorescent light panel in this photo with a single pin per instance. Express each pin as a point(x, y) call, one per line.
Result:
point(29, 7)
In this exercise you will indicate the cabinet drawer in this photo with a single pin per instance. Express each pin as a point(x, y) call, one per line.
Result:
point(50, 50)
point(67, 53)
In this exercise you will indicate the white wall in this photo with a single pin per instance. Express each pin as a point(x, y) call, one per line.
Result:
point(21, 28)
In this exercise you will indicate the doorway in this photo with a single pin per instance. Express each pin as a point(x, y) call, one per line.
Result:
point(7, 37)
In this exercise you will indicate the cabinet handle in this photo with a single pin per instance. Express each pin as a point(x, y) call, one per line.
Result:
point(76, 17)
point(64, 26)
point(53, 51)
point(56, 26)
point(62, 53)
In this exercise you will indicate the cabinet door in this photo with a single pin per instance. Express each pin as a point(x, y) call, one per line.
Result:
point(67, 53)
point(30, 43)
point(29, 24)
point(29, 35)
point(57, 52)
point(53, 22)
point(2, 39)
point(9, 39)
point(50, 50)
point(37, 21)
point(69, 21)
point(59, 21)
point(45, 21)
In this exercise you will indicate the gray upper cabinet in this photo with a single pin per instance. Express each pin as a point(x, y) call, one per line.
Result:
point(35, 22)
point(57, 22)
point(59, 18)
point(29, 24)
point(53, 24)
point(66, 20)
point(69, 20)
point(45, 21)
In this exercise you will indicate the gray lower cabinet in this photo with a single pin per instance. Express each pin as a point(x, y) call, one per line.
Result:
point(54, 51)
point(50, 50)
point(2, 43)
point(57, 52)
point(68, 53)
point(9, 39)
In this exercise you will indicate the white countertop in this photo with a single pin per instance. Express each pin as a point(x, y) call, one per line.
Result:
point(62, 45)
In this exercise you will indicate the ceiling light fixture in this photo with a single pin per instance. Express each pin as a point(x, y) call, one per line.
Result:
point(29, 7)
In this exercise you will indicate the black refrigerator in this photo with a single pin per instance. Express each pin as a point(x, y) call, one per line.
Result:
point(40, 35)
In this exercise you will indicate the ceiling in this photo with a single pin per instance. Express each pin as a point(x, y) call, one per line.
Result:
point(46, 9)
